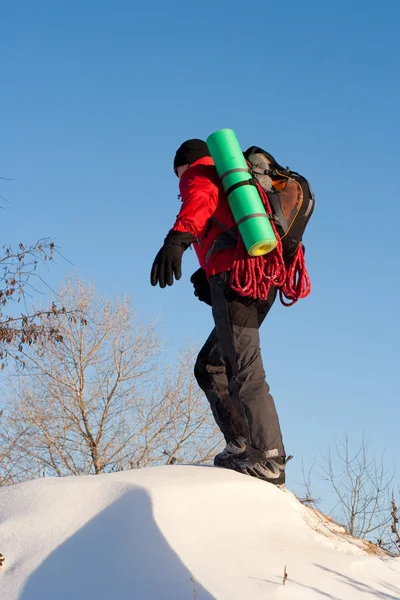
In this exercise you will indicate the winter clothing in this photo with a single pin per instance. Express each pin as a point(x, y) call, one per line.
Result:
point(229, 367)
point(201, 286)
point(202, 198)
point(189, 152)
point(233, 449)
point(270, 467)
point(169, 259)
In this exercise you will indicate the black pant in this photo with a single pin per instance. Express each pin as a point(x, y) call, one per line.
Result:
point(230, 371)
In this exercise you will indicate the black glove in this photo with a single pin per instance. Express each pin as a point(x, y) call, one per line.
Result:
point(201, 286)
point(168, 261)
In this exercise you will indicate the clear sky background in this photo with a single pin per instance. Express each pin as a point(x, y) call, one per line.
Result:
point(97, 96)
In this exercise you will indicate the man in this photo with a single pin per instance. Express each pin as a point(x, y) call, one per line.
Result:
point(229, 367)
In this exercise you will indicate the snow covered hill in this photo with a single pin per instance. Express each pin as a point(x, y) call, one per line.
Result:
point(143, 535)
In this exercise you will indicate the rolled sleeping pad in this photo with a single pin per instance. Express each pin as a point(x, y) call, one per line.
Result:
point(244, 199)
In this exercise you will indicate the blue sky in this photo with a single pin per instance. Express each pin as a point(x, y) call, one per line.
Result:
point(95, 99)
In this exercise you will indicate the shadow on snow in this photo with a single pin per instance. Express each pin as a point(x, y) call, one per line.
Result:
point(120, 554)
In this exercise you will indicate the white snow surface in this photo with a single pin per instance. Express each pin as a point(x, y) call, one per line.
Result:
point(143, 535)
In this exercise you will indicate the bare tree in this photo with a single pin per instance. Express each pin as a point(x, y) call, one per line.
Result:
point(394, 530)
point(361, 485)
point(390, 536)
point(22, 326)
point(98, 400)
point(18, 273)
point(308, 496)
point(9, 467)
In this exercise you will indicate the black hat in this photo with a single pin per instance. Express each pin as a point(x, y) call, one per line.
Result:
point(189, 152)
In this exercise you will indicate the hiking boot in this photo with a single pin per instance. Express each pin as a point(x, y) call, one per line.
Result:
point(270, 468)
point(234, 448)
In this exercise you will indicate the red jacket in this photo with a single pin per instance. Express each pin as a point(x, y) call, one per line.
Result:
point(203, 197)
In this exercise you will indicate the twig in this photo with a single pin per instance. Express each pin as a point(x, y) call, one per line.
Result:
point(285, 576)
point(395, 520)
point(194, 586)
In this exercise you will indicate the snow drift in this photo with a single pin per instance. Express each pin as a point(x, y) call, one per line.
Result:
point(177, 533)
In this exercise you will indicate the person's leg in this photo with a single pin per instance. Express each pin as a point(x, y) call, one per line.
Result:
point(210, 373)
point(237, 323)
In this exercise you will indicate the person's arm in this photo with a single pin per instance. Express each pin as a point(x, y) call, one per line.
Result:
point(199, 200)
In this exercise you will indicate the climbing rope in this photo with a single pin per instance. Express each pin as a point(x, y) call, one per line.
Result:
point(253, 276)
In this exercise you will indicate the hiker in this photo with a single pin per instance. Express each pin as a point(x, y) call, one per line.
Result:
point(229, 367)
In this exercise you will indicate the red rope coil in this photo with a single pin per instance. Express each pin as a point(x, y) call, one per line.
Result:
point(253, 276)
point(297, 284)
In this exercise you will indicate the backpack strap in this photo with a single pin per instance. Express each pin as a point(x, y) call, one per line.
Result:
point(227, 239)
point(231, 231)
point(238, 185)
point(279, 217)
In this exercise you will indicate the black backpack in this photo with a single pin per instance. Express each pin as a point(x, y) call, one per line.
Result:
point(290, 195)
